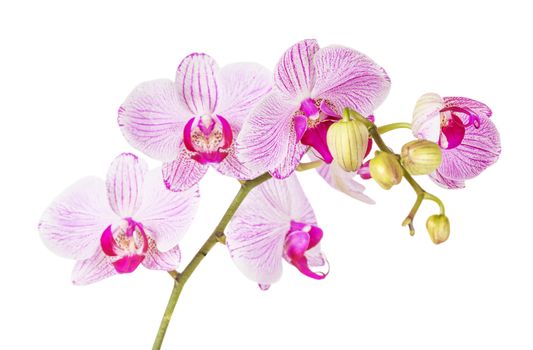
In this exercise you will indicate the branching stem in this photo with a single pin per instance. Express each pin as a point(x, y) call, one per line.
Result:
point(216, 237)
point(421, 194)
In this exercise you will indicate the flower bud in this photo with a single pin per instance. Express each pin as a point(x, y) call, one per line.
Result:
point(386, 170)
point(347, 141)
point(438, 227)
point(421, 157)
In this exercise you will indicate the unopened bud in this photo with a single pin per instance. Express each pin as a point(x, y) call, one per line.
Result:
point(347, 141)
point(421, 157)
point(386, 170)
point(438, 227)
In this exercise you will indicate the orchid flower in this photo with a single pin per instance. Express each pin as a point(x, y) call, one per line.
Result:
point(113, 226)
point(275, 222)
point(311, 87)
point(193, 121)
point(461, 127)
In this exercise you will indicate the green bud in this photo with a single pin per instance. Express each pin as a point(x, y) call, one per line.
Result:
point(385, 169)
point(347, 141)
point(438, 227)
point(421, 157)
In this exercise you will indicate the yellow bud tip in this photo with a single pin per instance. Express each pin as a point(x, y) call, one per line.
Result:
point(438, 227)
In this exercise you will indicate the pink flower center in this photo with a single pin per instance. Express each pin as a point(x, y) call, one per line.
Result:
point(208, 138)
point(126, 245)
point(311, 123)
point(452, 127)
point(301, 238)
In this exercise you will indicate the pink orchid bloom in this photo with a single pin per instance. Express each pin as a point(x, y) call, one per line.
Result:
point(275, 222)
point(311, 87)
point(193, 121)
point(113, 226)
point(467, 137)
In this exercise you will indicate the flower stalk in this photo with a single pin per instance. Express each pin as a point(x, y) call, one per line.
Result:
point(389, 127)
point(216, 237)
point(421, 194)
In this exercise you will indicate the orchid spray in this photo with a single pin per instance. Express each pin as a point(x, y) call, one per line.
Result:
point(258, 128)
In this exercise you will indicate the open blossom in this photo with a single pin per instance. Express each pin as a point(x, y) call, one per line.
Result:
point(311, 87)
point(461, 127)
point(193, 121)
point(275, 222)
point(113, 226)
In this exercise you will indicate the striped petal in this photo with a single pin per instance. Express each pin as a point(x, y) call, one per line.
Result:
point(445, 182)
point(166, 215)
point(479, 149)
point(294, 74)
point(183, 172)
point(124, 184)
point(233, 167)
point(426, 117)
point(263, 142)
point(294, 153)
point(348, 78)
point(242, 85)
point(71, 226)
point(479, 108)
point(166, 261)
point(196, 82)
point(152, 120)
point(93, 269)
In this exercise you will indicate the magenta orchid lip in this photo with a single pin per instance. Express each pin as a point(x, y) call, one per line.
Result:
point(257, 127)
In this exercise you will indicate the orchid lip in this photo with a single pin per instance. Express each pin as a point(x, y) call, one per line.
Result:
point(452, 129)
point(301, 238)
point(208, 138)
point(126, 245)
point(311, 124)
point(473, 118)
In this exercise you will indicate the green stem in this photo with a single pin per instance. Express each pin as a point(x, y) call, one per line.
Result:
point(309, 165)
point(421, 194)
point(389, 127)
point(217, 236)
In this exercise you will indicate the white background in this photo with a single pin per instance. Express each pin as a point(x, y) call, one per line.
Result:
point(67, 66)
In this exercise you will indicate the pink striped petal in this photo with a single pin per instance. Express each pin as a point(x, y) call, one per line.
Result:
point(480, 148)
point(348, 78)
point(93, 269)
point(233, 167)
point(292, 157)
point(342, 180)
point(71, 226)
point(426, 117)
point(242, 86)
point(294, 74)
point(445, 182)
point(480, 109)
point(166, 215)
point(124, 184)
point(166, 261)
point(184, 172)
point(264, 140)
point(151, 119)
point(196, 82)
